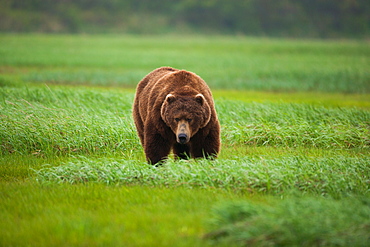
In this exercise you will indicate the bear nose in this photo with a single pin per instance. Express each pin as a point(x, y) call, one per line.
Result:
point(182, 138)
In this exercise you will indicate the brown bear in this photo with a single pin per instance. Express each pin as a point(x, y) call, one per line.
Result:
point(174, 109)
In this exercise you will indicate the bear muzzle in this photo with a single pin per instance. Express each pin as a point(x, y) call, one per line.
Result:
point(183, 133)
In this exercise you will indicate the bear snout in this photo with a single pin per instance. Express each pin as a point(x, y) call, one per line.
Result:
point(183, 132)
point(182, 138)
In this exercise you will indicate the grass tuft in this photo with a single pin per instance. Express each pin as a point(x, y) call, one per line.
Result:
point(320, 176)
point(299, 221)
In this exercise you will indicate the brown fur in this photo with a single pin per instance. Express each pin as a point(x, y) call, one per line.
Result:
point(174, 109)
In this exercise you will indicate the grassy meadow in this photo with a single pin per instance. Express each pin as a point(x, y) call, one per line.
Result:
point(294, 168)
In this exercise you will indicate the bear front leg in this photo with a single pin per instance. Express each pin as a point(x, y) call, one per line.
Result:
point(206, 147)
point(156, 148)
point(181, 151)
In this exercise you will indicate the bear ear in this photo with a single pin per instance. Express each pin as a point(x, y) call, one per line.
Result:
point(170, 98)
point(200, 98)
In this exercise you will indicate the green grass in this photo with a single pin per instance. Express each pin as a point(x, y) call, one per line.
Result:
point(297, 221)
point(50, 121)
point(224, 62)
point(67, 139)
point(334, 176)
point(98, 215)
point(294, 168)
point(58, 121)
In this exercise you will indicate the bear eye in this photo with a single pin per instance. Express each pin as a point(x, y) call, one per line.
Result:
point(177, 119)
point(189, 120)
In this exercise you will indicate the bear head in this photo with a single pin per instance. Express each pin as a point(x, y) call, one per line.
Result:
point(185, 115)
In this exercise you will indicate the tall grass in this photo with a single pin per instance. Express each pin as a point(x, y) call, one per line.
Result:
point(49, 122)
point(56, 121)
point(295, 125)
point(46, 121)
point(333, 176)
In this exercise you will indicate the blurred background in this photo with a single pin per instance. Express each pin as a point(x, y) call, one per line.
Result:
point(285, 18)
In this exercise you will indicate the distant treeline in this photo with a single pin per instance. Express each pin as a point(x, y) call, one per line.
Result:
point(288, 18)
